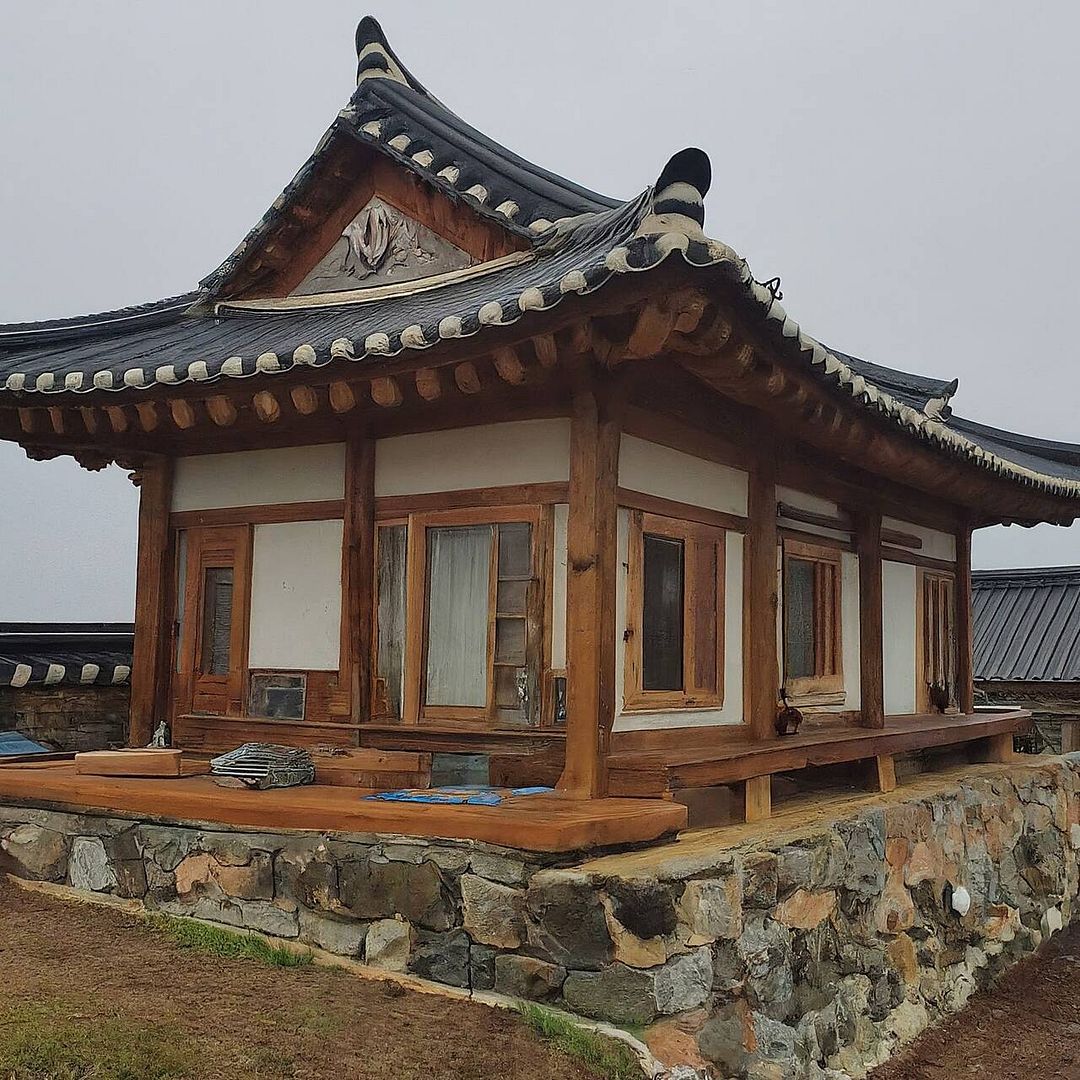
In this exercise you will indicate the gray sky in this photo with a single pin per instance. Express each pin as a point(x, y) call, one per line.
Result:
point(908, 169)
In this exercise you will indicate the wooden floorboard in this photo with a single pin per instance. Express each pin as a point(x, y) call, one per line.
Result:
point(543, 823)
point(654, 772)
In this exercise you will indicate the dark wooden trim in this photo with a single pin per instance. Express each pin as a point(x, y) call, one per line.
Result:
point(871, 652)
point(761, 670)
point(838, 523)
point(891, 554)
point(271, 514)
point(800, 536)
point(457, 738)
point(390, 506)
point(901, 539)
point(677, 738)
point(664, 430)
point(702, 515)
point(592, 564)
point(965, 667)
point(150, 661)
point(358, 574)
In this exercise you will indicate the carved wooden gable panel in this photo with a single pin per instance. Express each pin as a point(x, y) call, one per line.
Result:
point(381, 246)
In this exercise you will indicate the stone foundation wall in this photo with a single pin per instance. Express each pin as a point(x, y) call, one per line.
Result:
point(66, 717)
point(788, 949)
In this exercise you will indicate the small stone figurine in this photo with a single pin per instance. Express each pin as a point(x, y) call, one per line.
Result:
point(788, 718)
point(160, 741)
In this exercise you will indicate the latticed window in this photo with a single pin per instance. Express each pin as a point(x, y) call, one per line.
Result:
point(812, 625)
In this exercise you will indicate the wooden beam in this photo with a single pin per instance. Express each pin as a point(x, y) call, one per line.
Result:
point(547, 352)
point(386, 392)
point(509, 366)
point(221, 410)
point(358, 571)
point(151, 648)
point(467, 378)
point(654, 324)
point(304, 400)
point(89, 418)
point(183, 413)
point(760, 602)
point(342, 398)
point(592, 571)
point(965, 666)
point(147, 414)
point(118, 420)
point(56, 419)
point(266, 407)
point(871, 651)
point(428, 383)
point(758, 797)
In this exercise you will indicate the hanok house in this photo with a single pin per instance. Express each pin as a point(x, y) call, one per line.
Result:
point(453, 456)
point(65, 685)
point(1027, 649)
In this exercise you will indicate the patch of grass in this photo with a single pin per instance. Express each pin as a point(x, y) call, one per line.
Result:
point(56, 1042)
point(611, 1059)
point(227, 944)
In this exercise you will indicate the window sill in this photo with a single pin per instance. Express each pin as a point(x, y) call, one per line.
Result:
point(670, 703)
point(812, 699)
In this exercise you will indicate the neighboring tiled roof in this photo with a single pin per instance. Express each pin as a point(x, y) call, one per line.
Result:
point(592, 241)
point(54, 654)
point(1027, 624)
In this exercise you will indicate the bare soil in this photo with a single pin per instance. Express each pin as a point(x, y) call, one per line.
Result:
point(1027, 1027)
point(100, 977)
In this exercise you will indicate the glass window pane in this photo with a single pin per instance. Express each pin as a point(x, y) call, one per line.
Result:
point(799, 651)
point(217, 620)
point(662, 614)
point(459, 578)
point(390, 660)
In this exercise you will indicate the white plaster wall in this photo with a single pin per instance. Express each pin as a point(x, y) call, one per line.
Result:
point(493, 455)
point(296, 596)
point(256, 477)
point(898, 583)
point(558, 588)
point(731, 709)
point(670, 474)
point(935, 544)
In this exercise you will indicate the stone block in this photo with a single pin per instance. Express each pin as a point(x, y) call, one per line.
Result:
point(306, 872)
point(379, 890)
point(30, 851)
point(527, 978)
point(803, 910)
point(493, 914)
point(711, 909)
point(570, 924)
point(498, 868)
point(684, 982)
point(619, 994)
point(388, 944)
point(276, 919)
point(482, 967)
point(643, 906)
point(89, 867)
point(345, 937)
point(443, 958)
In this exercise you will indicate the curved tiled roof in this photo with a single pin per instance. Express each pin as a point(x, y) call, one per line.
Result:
point(591, 241)
point(55, 654)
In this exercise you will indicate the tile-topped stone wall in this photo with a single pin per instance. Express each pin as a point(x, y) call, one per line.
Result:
point(808, 946)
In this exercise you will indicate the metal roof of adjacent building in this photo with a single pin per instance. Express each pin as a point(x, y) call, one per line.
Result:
point(1027, 624)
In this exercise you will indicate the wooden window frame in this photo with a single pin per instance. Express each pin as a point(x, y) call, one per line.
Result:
point(538, 619)
point(635, 697)
point(826, 688)
point(944, 581)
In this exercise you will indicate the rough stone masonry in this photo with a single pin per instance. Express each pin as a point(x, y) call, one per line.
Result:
point(796, 948)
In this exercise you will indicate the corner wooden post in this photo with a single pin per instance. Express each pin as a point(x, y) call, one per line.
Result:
point(871, 654)
point(760, 587)
point(358, 574)
point(965, 685)
point(150, 660)
point(592, 562)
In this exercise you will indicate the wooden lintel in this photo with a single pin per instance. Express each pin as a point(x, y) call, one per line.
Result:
point(147, 413)
point(547, 352)
point(118, 420)
point(386, 392)
point(467, 378)
point(183, 413)
point(304, 400)
point(266, 407)
point(509, 366)
point(89, 418)
point(221, 410)
point(342, 397)
point(428, 383)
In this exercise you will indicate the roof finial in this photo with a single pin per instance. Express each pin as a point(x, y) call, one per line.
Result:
point(375, 58)
point(678, 195)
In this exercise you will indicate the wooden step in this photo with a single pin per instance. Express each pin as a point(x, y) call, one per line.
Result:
point(381, 770)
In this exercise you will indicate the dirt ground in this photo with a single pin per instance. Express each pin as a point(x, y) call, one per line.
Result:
point(1026, 1028)
point(104, 983)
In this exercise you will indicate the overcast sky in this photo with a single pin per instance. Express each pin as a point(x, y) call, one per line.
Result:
point(909, 170)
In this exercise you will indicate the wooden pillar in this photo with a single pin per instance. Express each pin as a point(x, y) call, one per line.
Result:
point(592, 562)
point(150, 661)
point(965, 685)
point(871, 653)
point(760, 584)
point(758, 798)
point(358, 574)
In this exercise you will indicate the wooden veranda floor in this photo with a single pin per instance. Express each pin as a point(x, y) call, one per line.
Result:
point(543, 822)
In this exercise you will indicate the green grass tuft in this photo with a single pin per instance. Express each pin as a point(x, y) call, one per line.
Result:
point(56, 1042)
point(611, 1059)
point(227, 944)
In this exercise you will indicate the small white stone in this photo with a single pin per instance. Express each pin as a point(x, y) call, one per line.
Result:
point(961, 901)
point(450, 173)
point(73, 380)
point(377, 343)
point(45, 380)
